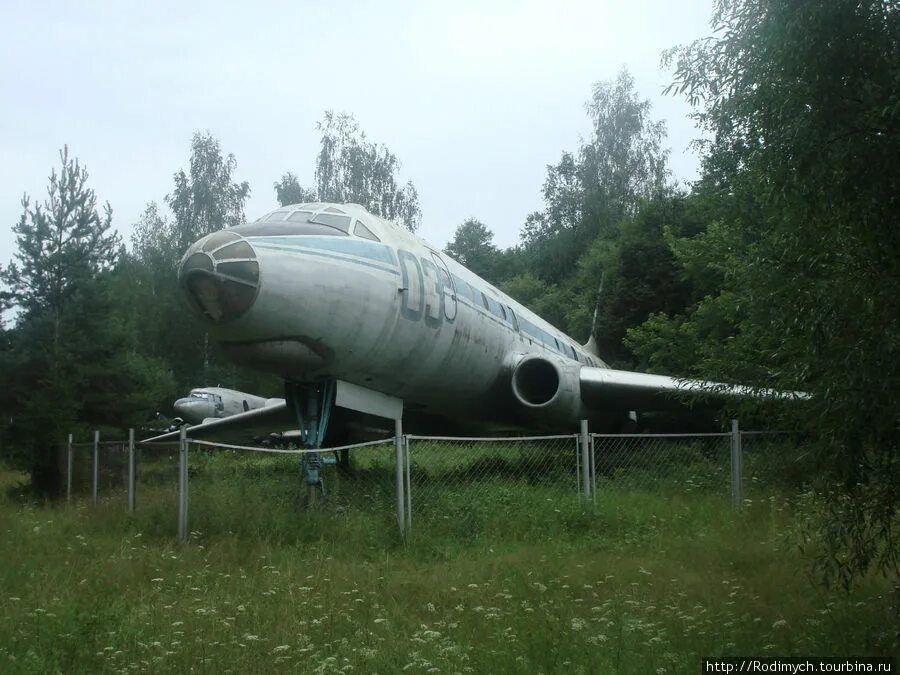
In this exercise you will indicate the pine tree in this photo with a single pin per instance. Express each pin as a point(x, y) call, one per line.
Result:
point(64, 248)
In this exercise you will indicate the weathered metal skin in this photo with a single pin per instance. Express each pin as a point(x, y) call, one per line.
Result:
point(317, 291)
point(390, 317)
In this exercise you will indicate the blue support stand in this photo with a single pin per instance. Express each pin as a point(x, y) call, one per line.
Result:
point(318, 400)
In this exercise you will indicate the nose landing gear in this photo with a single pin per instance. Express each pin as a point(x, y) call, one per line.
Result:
point(317, 400)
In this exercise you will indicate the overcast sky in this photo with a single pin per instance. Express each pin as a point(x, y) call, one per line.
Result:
point(475, 98)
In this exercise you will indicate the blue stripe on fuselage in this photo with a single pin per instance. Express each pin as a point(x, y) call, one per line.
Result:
point(358, 247)
point(325, 246)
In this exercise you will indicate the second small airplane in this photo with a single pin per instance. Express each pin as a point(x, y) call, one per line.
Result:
point(209, 403)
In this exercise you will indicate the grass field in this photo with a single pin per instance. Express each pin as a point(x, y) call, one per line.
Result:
point(499, 577)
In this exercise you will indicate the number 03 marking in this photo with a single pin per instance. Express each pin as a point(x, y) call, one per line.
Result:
point(425, 291)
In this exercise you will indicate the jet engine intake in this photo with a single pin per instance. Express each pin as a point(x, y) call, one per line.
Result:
point(547, 387)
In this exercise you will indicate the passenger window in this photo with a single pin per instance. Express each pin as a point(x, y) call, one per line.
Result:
point(515, 321)
point(463, 289)
point(496, 309)
point(361, 230)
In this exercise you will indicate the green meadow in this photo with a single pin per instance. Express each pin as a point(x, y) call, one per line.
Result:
point(503, 574)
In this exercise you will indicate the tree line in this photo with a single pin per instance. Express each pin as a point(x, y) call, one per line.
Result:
point(777, 268)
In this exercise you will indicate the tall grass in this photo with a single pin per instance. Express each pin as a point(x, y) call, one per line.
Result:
point(503, 575)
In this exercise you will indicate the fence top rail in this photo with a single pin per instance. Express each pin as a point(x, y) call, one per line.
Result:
point(291, 451)
point(365, 444)
point(504, 439)
point(767, 433)
point(157, 443)
point(705, 435)
point(90, 444)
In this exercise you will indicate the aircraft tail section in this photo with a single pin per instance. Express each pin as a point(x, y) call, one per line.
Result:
point(591, 345)
point(591, 348)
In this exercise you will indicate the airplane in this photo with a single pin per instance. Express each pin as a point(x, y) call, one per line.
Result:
point(208, 403)
point(364, 320)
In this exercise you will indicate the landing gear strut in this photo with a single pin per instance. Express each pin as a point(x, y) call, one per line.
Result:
point(312, 404)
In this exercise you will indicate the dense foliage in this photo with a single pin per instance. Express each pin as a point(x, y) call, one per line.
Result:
point(349, 168)
point(800, 100)
point(68, 362)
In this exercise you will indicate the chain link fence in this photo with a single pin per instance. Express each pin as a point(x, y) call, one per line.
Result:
point(684, 463)
point(776, 461)
point(267, 487)
point(457, 486)
point(156, 486)
point(462, 483)
point(97, 470)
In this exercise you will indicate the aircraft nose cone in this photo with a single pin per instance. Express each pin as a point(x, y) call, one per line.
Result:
point(193, 410)
point(220, 276)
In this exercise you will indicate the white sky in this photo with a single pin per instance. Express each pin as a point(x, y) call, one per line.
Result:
point(475, 98)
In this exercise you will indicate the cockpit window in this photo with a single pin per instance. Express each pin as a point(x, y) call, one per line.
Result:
point(340, 222)
point(300, 216)
point(308, 220)
point(361, 230)
point(285, 228)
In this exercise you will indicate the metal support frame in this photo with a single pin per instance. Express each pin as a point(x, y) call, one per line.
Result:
point(585, 461)
point(399, 482)
point(408, 487)
point(96, 465)
point(312, 427)
point(578, 464)
point(69, 463)
point(737, 466)
point(183, 485)
point(132, 478)
point(593, 470)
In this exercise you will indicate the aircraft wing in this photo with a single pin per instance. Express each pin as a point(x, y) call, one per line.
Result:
point(608, 389)
point(245, 426)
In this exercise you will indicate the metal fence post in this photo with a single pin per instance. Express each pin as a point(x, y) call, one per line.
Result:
point(398, 451)
point(131, 471)
point(585, 461)
point(96, 464)
point(737, 469)
point(69, 471)
point(408, 487)
point(182, 484)
point(593, 471)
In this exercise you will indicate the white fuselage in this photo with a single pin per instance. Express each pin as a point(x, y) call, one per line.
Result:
point(205, 403)
point(395, 315)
